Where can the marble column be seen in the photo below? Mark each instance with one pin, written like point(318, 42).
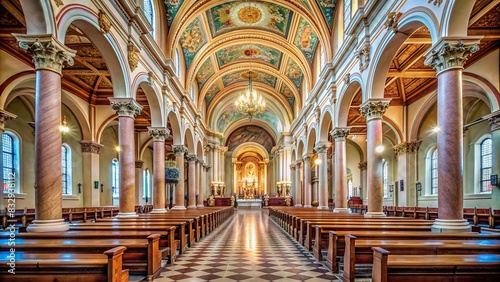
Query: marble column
point(192, 181)
point(307, 180)
point(298, 183)
point(201, 181)
point(127, 109)
point(4, 117)
point(340, 134)
point(362, 191)
point(158, 134)
point(321, 148)
point(90, 163)
point(179, 151)
point(49, 56)
point(373, 110)
point(447, 57)
point(294, 181)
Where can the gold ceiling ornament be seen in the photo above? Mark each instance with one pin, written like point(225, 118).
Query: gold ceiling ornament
point(133, 56)
point(249, 103)
point(249, 14)
point(104, 22)
point(58, 3)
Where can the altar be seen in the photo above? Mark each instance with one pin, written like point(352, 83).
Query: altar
point(249, 203)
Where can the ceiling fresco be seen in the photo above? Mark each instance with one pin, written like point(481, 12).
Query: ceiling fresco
point(192, 39)
point(294, 72)
point(204, 73)
point(238, 14)
point(287, 92)
point(211, 92)
point(328, 8)
point(249, 52)
point(230, 116)
point(250, 133)
point(242, 76)
point(172, 7)
point(306, 39)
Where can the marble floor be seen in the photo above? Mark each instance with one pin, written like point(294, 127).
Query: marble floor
point(248, 247)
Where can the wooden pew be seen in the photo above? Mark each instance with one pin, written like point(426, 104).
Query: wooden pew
point(65, 267)
point(359, 251)
point(434, 268)
point(336, 242)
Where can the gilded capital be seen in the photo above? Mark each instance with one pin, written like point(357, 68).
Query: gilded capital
point(362, 166)
point(127, 107)
point(406, 148)
point(48, 53)
point(104, 22)
point(139, 164)
point(90, 147)
point(450, 53)
point(179, 150)
point(4, 117)
point(374, 108)
point(340, 133)
point(158, 133)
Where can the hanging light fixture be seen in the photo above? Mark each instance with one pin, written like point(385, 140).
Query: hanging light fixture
point(250, 104)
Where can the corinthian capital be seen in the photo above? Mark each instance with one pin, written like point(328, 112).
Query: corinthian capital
point(4, 117)
point(90, 147)
point(125, 107)
point(322, 147)
point(179, 150)
point(340, 133)
point(48, 52)
point(374, 108)
point(158, 133)
point(406, 148)
point(451, 53)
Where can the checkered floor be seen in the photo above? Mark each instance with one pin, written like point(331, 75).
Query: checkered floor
point(248, 247)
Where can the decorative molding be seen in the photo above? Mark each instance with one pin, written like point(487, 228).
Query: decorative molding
point(59, 3)
point(363, 55)
point(139, 164)
point(392, 21)
point(322, 147)
point(179, 150)
point(494, 119)
point(347, 78)
point(374, 108)
point(362, 166)
point(125, 107)
point(340, 133)
point(4, 117)
point(333, 98)
point(158, 133)
point(48, 53)
point(104, 22)
point(90, 147)
point(436, 2)
point(450, 53)
point(406, 148)
point(192, 158)
point(133, 56)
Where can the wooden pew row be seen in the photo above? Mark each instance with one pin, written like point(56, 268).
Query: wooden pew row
point(106, 267)
point(359, 251)
point(337, 246)
point(434, 268)
point(142, 256)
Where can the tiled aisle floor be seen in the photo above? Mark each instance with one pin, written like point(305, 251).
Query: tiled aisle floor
point(248, 247)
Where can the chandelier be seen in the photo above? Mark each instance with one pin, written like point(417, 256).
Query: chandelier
point(250, 104)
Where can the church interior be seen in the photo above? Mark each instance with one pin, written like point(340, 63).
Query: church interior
point(301, 140)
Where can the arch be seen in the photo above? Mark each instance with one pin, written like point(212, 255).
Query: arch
point(41, 17)
point(109, 121)
point(87, 21)
point(390, 44)
point(420, 115)
point(189, 141)
point(300, 149)
point(23, 79)
point(357, 147)
point(326, 121)
point(250, 146)
point(154, 98)
point(395, 128)
point(256, 122)
point(173, 119)
point(345, 100)
point(199, 149)
point(492, 94)
point(143, 148)
point(79, 113)
point(311, 140)
point(452, 21)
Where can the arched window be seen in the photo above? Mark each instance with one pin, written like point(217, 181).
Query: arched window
point(347, 13)
point(147, 185)
point(349, 183)
point(385, 180)
point(10, 144)
point(434, 172)
point(147, 8)
point(66, 169)
point(486, 158)
point(115, 178)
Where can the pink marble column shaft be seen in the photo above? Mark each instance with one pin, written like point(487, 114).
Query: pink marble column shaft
point(298, 184)
point(127, 164)
point(192, 182)
point(158, 134)
point(321, 148)
point(179, 151)
point(201, 183)
point(307, 181)
point(339, 135)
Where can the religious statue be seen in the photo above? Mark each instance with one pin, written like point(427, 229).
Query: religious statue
point(266, 200)
point(211, 201)
point(232, 201)
point(288, 200)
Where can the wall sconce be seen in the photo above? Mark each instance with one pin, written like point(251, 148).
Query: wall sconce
point(79, 188)
point(64, 126)
point(96, 184)
point(418, 186)
point(494, 180)
point(102, 188)
point(391, 189)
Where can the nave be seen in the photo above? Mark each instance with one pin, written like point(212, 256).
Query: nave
point(247, 247)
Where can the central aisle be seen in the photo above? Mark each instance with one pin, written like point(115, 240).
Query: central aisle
point(248, 247)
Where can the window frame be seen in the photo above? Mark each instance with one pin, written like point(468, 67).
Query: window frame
point(66, 170)
point(151, 15)
point(16, 156)
point(434, 171)
point(482, 179)
point(115, 178)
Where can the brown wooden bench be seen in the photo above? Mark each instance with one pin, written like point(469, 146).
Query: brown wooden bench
point(30, 267)
point(463, 268)
point(359, 251)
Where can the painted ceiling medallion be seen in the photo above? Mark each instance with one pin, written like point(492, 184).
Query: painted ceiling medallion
point(249, 14)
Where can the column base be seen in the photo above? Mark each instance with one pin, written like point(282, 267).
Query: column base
point(308, 206)
point(127, 214)
point(341, 210)
point(192, 207)
point(450, 225)
point(298, 205)
point(50, 225)
point(178, 208)
point(200, 206)
point(159, 211)
point(375, 214)
point(322, 207)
